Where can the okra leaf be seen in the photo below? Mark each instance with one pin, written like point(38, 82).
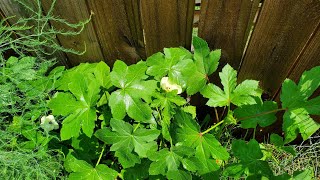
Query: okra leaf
point(249, 155)
point(179, 175)
point(260, 113)
point(81, 86)
point(139, 171)
point(167, 103)
point(84, 171)
point(279, 143)
point(207, 148)
point(126, 158)
point(79, 107)
point(295, 98)
point(167, 160)
point(243, 94)
point(176, 63)
point(123, 137)
point(162, 64)
point(134, 92)
point(102, 74)
point(206, 63)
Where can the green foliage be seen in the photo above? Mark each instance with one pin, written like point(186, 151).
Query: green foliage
point(242, 94)
point(249, 155)
point(79, 98)
point(144, 130)
point(124, 124)
point(24, 147)
point(207, 147)
point(84, 171)
point(34, 34)
point(262, 118)
point(132, 90)
point(125, 138)
point(295, 98)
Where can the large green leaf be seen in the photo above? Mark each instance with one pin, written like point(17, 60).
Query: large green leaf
point(139, 171)
point(295, 98)
point(249, 155)
point(133, 89)
point(78, 107)
point(176, 63)
point(179, 175)
point(206, 63)
point(81, 86)
point(278, 142)
point(84, 171)
point(125, 139)
point(166, 103)
point(126, 158)
point(167, 160)
point(207, 147)
point(102, 72)
point(252, 115)
point(242, 94)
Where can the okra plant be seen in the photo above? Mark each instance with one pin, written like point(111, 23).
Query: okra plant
point(135, 121)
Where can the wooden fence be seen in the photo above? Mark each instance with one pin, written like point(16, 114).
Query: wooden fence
point(268, 41)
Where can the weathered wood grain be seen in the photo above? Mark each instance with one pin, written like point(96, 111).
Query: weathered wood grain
point(226, 25)
point(309, 58)
point(75, 11)
point(119, 30)
point(167, 23)
point(281, 33)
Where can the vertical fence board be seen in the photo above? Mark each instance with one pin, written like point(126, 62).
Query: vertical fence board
point(167, 23)
point(282, 31)
point(13, 9)
point(309, 58)
point(75, 11)
point(226, 25)
point(119, 29)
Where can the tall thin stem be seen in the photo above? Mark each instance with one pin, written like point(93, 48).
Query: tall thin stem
point(212, 127)
point(98, 162)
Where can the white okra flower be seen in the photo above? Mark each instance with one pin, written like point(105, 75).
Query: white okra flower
point(48, 123)
point(169, 86)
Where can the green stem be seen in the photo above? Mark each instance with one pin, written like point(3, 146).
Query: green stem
point(263, 113)
point(254, 133)
point(212, 127)
point(104, 146)
point(136, 127)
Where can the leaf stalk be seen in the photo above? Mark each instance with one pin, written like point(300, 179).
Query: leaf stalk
point(98, 162)
point(212, 127)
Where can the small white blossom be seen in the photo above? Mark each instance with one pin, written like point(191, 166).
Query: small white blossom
point(168, 86)
point(48, 123)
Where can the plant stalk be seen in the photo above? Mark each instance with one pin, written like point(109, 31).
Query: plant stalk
point(98, 162)
point(212, 127)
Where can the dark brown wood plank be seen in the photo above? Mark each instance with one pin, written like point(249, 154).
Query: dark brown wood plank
point(75, 11)
point(13, 9)
point(309, 58)
point(282, 30)
point(226, 25)
point(167, 23)
point(119, 30)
